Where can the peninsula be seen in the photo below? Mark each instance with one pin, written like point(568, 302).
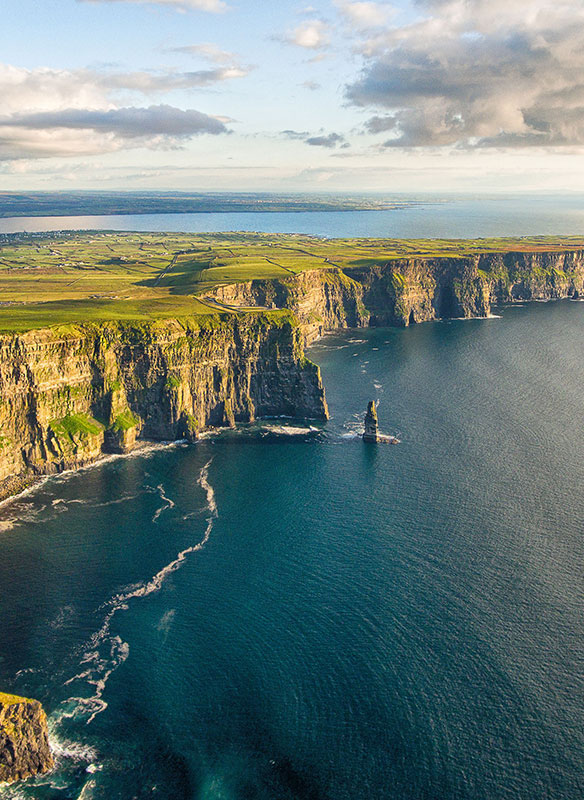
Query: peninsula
point(107, 339)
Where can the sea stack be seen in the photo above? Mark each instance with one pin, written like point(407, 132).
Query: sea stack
point(371, 433)
point(24, 739)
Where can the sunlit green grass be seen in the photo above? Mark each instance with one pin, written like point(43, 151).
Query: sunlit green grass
point(91, 277)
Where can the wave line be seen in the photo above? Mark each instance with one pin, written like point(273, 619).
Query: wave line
point(98, 666)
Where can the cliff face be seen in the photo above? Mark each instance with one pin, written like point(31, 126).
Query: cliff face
point(24, 741)
point(68, 396)
point(405, 291)
point(321, 299)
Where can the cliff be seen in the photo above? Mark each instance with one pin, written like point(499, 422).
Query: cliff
point(70, 394)
point(321, 299)
point(405, 291)
point(24, 741)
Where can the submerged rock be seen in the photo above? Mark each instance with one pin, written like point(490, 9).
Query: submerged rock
point(24, 739)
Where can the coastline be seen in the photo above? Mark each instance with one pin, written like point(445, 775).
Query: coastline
point(143, 448)
point(75, 395)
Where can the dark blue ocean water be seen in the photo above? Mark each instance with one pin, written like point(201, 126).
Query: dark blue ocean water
point(454, 216)
point(287, 613)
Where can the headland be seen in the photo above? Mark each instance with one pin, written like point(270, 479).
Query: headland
point(108, 339)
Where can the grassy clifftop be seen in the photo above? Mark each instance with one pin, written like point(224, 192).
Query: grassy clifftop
point(55, 279)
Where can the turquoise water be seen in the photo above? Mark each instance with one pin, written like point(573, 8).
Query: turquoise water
point(283, 612)
point(461, 216)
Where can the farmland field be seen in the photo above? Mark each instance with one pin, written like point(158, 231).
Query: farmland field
point(60, 278)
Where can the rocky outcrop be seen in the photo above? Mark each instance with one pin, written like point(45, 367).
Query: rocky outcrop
point(68, 395)
point(24, 740)
point(371, 433)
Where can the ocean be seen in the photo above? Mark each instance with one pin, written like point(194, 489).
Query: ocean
point(283, 612)
point(447, 216)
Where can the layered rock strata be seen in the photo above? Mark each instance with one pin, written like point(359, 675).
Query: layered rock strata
point(371, 433)
point(24, 740)
point(405, 291)
point(68, 395)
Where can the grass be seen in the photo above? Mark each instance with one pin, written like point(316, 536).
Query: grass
point(74, 424)
point(12, 699)
point(125, 421)
point(61, 279)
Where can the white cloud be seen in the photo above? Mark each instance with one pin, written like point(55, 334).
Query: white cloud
point(365, 15)
point(214, 6)
point(312, 35)
point(479, 73)
point(153, 82)
point(208, 51)
point(69, 113)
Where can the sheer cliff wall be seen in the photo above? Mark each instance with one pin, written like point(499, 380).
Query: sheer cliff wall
point(68, 395)
point(405, 291)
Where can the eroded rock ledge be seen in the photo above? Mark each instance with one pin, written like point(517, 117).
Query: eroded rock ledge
point(24, 739)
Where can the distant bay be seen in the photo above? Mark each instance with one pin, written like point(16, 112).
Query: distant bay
point(463, 216)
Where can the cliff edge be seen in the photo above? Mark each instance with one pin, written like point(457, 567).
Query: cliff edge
point(70, 394)
point(404, 291)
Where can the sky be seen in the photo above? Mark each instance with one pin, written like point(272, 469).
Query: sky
point(275, 95)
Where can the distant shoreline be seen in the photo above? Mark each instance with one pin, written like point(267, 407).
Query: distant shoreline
point(14, 205)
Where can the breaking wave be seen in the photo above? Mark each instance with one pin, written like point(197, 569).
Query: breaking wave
point(105, 652)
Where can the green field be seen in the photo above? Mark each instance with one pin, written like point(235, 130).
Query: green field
point(54, 279)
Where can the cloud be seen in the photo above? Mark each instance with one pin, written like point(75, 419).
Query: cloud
point(128, 123)
point(73, 132)
point(312, 35)
point(290, 134)
point(48, 89)
point(208, 51)
point(330, 140)
point(58, 112)
point(214, 6)
point(478, 73)
point(380, 124)
point(153, 82)
point(365, 15)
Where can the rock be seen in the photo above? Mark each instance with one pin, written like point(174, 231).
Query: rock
point(68, 395)
point(371, 433)
point(24, 739)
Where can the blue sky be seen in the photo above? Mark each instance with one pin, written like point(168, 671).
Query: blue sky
point(338, 95)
